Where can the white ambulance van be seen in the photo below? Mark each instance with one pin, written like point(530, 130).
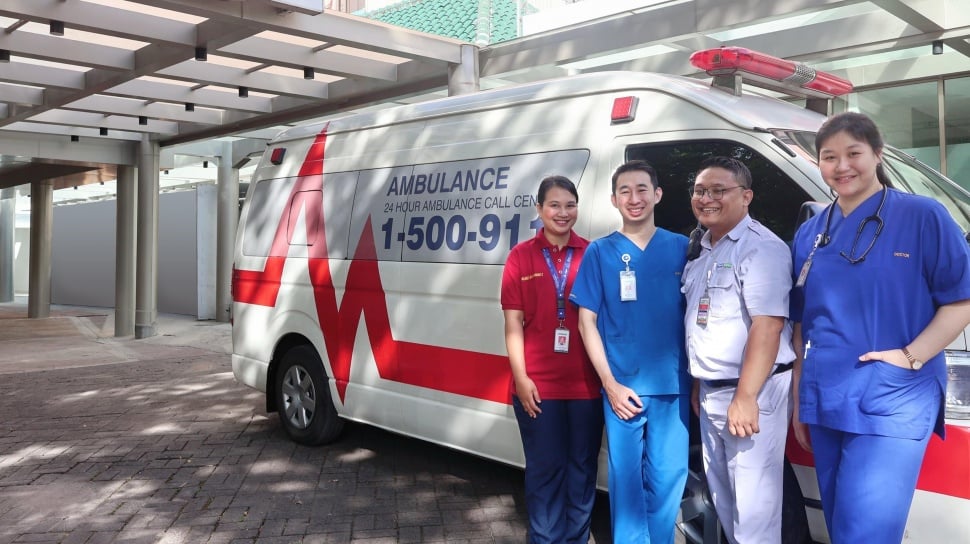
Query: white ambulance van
point(370, 253)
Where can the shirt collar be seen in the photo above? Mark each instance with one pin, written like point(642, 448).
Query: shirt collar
point(733, 234)
point(573, 242)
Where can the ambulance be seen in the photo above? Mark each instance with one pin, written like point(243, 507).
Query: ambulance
point(370, 251)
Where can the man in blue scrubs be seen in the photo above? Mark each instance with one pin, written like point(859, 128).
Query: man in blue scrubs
point(740, 353)
point(631, 320)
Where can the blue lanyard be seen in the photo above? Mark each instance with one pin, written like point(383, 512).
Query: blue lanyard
point(559, 280)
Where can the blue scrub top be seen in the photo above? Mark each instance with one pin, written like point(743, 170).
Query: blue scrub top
point(644, 339)
point(919, 262)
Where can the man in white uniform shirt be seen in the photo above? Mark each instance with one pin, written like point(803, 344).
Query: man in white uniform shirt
point(739, 352)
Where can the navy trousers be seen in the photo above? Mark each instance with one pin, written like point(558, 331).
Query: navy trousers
point(562, 446)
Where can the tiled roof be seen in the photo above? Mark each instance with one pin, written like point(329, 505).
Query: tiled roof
point(451, 18)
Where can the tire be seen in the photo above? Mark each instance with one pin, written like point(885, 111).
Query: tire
point(303, 398)
point(698, 519)
point(699, 522)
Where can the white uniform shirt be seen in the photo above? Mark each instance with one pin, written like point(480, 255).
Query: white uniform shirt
point(747, 273)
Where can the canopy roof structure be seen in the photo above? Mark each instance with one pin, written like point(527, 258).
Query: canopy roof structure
point(82, 81)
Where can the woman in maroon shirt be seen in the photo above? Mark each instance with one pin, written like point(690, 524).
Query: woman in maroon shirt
point(555, 391)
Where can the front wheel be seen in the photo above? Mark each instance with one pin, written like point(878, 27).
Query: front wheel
point(699, 522)
point(303, 398)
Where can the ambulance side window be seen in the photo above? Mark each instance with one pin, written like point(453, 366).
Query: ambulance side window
point(265, 212)
point(777, 197)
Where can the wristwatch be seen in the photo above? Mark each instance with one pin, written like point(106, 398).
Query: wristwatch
point(914, 363)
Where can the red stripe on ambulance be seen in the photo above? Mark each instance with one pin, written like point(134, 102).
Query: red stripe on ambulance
point(468, 373)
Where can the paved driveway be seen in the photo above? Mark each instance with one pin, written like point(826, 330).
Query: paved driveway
point(107, 440)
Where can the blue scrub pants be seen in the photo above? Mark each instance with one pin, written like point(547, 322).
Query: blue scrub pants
point(648, 469)
point(562, 446)
point(866, 483)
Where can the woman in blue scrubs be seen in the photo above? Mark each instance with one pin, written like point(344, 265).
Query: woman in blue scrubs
point(882, 286)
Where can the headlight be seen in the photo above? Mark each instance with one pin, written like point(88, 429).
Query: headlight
point(958, 385)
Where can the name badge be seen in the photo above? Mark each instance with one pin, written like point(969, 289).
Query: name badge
point(561, 344)
point(803, 274)
point(703, 309)
point(628, 285)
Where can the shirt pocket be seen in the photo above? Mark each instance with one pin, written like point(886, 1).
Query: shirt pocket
point(723, 290)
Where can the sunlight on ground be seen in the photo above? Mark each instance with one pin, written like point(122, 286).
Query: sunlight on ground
point(32, 452)
point(357, 456)
point(164, 428)
point(292, 486)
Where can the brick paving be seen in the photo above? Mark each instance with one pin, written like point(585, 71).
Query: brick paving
point(106, 440)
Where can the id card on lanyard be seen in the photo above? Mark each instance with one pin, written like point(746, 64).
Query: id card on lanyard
point(628, 281)
point(704, 303)
point(560, 342)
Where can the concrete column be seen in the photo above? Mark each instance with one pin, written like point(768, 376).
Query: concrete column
point(227, 217)
point(463, 77)
point(41, 228)
point(146, 254)
point(8, 226)
point(125, 251)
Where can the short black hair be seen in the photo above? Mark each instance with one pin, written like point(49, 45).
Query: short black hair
point(631, 166)
point(736, 167)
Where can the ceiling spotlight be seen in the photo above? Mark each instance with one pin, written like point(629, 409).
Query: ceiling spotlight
point(75, 138)
point(243, 92)
point(4, 55)
point(307, 72)
point(57, 28)
point(189, 106)
point(201, 53)
point(142, 120)
point(938, 47)
point(103, 131)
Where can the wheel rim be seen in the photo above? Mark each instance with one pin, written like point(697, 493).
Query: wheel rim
point(299, 397)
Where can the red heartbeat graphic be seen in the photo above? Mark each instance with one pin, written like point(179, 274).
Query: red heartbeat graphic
point(468, 373)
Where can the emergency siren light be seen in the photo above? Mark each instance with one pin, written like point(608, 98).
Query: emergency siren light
point(770, 72)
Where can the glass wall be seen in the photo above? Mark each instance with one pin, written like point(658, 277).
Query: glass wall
point(957, 114)
point(908, 117)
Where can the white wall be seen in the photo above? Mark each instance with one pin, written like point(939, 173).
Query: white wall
point(83, 253)
point(555, 14)
point(21, 258)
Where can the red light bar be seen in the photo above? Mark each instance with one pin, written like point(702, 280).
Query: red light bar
point(276, 157)
point(774, 71)
point(624, 109)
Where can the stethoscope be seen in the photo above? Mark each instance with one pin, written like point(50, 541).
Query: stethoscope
point(823, 238)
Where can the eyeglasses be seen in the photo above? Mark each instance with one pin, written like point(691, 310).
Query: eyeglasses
point(716, 193)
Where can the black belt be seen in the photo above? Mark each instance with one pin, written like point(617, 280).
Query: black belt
point(717, 384)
